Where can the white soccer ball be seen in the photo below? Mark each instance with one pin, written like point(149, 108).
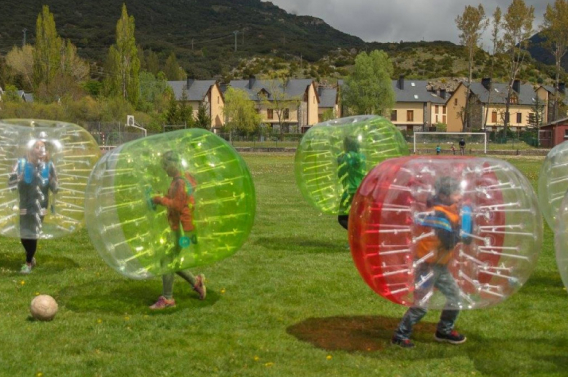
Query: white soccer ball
point(43, 308)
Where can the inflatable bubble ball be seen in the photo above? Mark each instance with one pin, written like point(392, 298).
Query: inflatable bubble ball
point(443, 232)
point(553, 182)
point(47, 166)
point(334, 156)
point(169, 202)
point(561, 240)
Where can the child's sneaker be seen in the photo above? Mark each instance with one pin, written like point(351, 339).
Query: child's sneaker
point(199, 286)
point(163, 303)
point(404, 343)
point(453, 337)
point(26, 268)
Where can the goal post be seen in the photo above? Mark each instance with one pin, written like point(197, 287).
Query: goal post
point(451, 137)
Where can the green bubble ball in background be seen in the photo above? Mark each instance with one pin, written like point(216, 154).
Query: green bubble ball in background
point(133, 236)
point(334, 156)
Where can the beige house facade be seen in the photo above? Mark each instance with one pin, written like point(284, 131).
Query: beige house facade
point(201, 92)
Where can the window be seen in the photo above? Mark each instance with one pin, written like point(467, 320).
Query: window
point(286, 114)
point(444, 119)
point(270, 113)
point(410, 115)
point(565, 134)
point(519, 118)
point(437, 109)
point(513, 100)
point(494, 117)
point(444, 110)
point(436, 118)
point(393, 116)
point(455, 101)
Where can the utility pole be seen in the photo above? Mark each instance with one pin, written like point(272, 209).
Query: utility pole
point(24, 41)
point(236, 32)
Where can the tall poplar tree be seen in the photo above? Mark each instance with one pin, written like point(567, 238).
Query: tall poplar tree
point(555, 29)
point(47, 51)
point(472, 23)
point(518, 28)
point(123, 63)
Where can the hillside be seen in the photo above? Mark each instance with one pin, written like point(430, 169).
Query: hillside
point(202, 35)
point(201, 32)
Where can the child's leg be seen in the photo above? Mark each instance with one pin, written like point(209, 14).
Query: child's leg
point(30, 246)
point(410, 318)
point(187, 276)
point(449, 288)
point(168, 286)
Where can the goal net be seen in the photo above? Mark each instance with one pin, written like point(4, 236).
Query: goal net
point(431, 140)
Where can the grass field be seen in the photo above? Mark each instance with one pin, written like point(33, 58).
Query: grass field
point(289, 303)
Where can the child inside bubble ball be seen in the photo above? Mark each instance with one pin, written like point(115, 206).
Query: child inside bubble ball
point(179, 202)
point(350, 171)
point(34, 176)
point(432, 271)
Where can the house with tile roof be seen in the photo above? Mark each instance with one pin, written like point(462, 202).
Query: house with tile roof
point(488, 101)
point(198, 92)
point(329, 102)
point(291, 103)
point(418, 106)
point(548, 94)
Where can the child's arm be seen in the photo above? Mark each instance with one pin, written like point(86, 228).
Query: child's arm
point(178, 200)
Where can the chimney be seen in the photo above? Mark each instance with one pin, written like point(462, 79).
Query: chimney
point(401, 82)
point(189, 83)
point(517, 86)
point(252, 79)
point(486, 82)
point(561, 87)
point(442, 93)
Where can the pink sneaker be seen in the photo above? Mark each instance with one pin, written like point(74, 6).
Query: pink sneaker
point(199, 286)
point(163, 303)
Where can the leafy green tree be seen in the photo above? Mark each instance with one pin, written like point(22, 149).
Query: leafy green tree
point(123, 63)
point(555, 29)
point(47, 51)
point(240, 112)
point(172, 116)
point(172, 69)
point(518, 28)
point(472, 23)
point(279, 100)
point(185, 110)
point(497, 48)
point(368, 89)
point(72, 65)
point(328, 114)
point(21, 61)
point(203, 119)
point(152, 62)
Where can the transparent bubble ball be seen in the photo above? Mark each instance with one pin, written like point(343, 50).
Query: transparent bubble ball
point(334, 156)
point(135, 236)
point(46, 165)
point(401, 219)
point(553, 182)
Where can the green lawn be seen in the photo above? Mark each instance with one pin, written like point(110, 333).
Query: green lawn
point(290, 303)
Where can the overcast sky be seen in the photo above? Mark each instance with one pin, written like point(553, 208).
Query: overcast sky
point(396, 20)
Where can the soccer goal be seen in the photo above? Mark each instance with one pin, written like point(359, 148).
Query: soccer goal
point(448, 139)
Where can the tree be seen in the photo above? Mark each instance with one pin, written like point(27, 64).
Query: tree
point(279, 100)
point(536, 117)
point(47, 51)
point(472, 23)
point(152, 63)
point(368, 89)
point(555, 30)
point(172, 69)
point(518, 29)
point(203, 119)
point(185, 110)
point(21, 61)
point(328, 115)
point(239, 112)
point(72, 65)
point(497, 48)
point(123, 63)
